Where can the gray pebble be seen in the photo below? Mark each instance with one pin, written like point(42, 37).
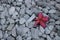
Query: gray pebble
point(19, 38)
point(14, 32)
point(47, 31)
point(52, 11)
point(10, 38)
point(1, 8)
point(58, 6)
point(22, 21)
point(11, 10)
point(10, 27)
point(26, 16)
point(1, 35)
point(48, 37)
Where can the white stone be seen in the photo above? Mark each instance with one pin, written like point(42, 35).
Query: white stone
point(2, 39)
point(14, 32)
point(30, 19)
point(42, 29)
point(34, 33)
point(1, 8)
point(57, 22)
point(10, 38)
point(19, 38)
point(40, 33)
point(28, 38)
point(48, 37)
point(26, 16)
point(57, 38)
point(3, 21)
point(20, 0)
point(10, 27)
point(22, 10)
point(57, 0)
point(31, 24)
point(11, 10)
point(22, 21)
point(5, 35)
point(47, 31)
point(11, 20)
point(4, 27)
point(25, 29)
point(45, 10)
point(44, 35)
point(1, 35)
point(29, 11)
point(52, 11)
point(50, 27)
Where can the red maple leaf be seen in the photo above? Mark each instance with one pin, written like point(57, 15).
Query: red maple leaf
point(41, 20)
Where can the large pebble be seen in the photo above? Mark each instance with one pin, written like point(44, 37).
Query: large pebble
point(57, 22)
point(42, 29)
point(30, 19)
point(5, 35)
point(57, 38)
point(10, 38)
point(52, 11)
point(57, 0)
point(26, 16)
point(51, 27)
point(1, 8)
point(47, 31)
point(10, 27)
point(1, 35)
point(14, 32)
point(58, 6)
point(34, 33)
point(48, 37)
point(11, 10)
point(19, 38)
point(22, 21)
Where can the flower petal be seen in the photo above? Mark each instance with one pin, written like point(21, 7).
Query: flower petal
point(36, 23)
point(36, 19)
point(40, 15)
point(42, 24)
point(45, 19)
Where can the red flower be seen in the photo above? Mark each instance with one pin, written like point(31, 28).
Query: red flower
point(41, 20)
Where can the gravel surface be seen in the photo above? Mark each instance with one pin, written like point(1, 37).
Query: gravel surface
point(17, 19)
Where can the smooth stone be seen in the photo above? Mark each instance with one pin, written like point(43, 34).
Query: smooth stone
point(57, 38)
point(1, 35)
point(48, 37)
point(30, 19)
point(26, 16)
point(11, 10)
point(29, 12)
point(57, 22)
point(10, 38)
point(18, 37)
point(28, 38)
point(58, 6)
point(42, 29)
point(57, 0)
point(50, 27)
point(22, 21)
point(1, 8)
point(10, 27)
point(5, 35)
point(44, 35)
point(14, 32)
point(47, 31)
point(31, 24)
point(52, 11)
point(3, 21)
point(45, 10)
point(34, 33)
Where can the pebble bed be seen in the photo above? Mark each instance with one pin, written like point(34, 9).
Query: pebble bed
point(17, 19)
